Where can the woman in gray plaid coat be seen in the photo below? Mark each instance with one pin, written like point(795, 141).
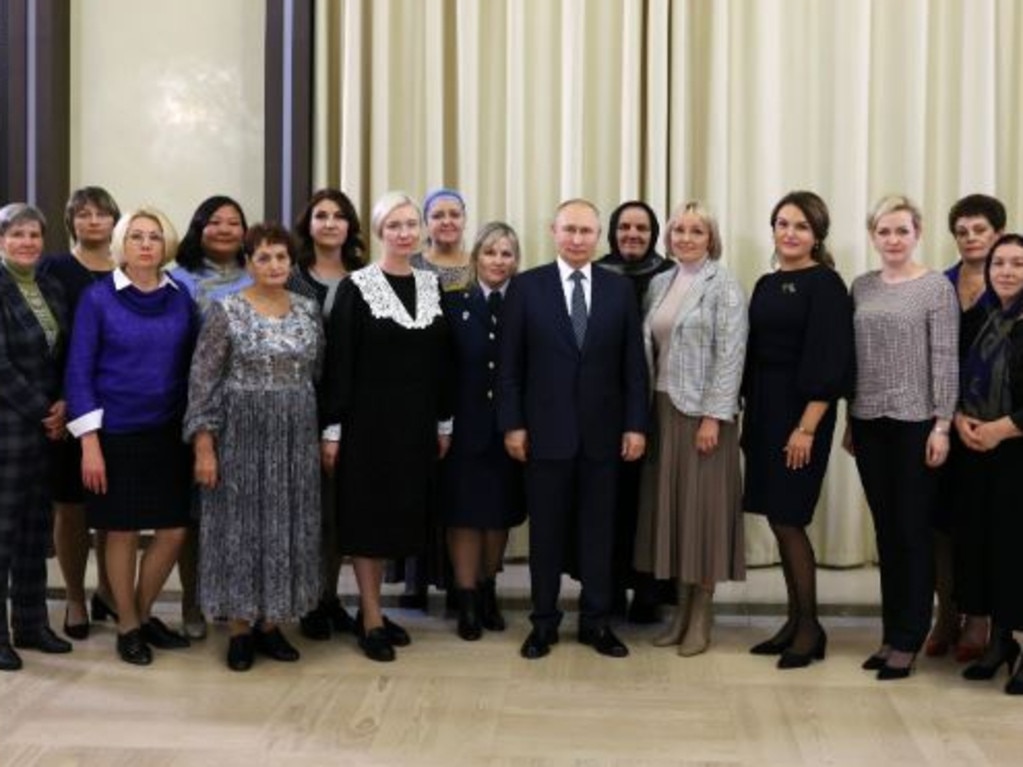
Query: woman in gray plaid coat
point(32, 329)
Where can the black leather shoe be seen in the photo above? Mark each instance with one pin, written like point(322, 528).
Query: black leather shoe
point(604, 641)
point(77, 631)
point(790, 659)
point(396, 635)
point(340, 619)
point(272, 644)
point(315, 624)
point(490, 612)
point(9, 659)
point(987, 666)
point(44, 640)
point(156, 633)
point(241, 652)
point(888, 673)
point(874, 662)
point(538, 643)
point(376, 646)
point(777, 644)
point(469, 627)
point(133, 648)
point(101, 610)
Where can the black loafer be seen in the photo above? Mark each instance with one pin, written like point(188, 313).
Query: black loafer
point(396, 635)
point(315, 624)
point(538, 643)
point(604, 641)
point(9, 659)
point(44, 640)
point(272, 644)
point(133, 648)
point(241, 652)
point(340, 619)
point(376, 646)
point(156, 633)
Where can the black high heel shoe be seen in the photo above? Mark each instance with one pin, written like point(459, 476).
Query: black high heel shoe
point(890, 673)
point(790, 659)
point(76, 630)
point(100, 609)
point(979, 670)
point(777, 644)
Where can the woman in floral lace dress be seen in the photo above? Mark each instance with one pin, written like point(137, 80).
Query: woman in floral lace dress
point(252, 420)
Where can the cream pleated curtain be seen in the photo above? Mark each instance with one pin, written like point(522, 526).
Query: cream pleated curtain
point(522, 103)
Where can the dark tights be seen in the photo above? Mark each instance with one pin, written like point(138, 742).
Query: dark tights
point(800, 567)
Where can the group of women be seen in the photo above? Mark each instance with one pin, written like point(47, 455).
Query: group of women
point(251, 397)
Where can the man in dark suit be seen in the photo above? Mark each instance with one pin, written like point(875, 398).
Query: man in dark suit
point(572, 400)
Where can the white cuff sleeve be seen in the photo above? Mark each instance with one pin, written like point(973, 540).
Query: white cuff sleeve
point(91, 421)
point(446, 428)
point(332, 433)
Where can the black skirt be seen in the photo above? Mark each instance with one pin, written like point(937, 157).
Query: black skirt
point(149, 481)
point(66, 471)
point(483, 492)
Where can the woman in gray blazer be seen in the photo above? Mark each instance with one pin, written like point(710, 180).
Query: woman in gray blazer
point(690, 516)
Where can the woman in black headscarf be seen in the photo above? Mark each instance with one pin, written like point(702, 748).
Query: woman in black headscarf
point(632, 234)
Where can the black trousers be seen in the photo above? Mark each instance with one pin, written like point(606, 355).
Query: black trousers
point(973, 529)
point(571, 504)
point(900, 490)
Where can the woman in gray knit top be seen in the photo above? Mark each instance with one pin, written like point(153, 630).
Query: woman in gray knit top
point(906, 330)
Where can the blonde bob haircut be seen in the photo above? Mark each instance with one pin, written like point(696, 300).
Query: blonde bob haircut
point(170, 235)
point(895, 203)
point(698, 209)
point(386, 204)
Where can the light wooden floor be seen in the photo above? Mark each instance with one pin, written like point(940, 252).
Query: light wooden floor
point(448, 702)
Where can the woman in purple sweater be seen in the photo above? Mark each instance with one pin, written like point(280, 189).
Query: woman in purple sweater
point(127, 378)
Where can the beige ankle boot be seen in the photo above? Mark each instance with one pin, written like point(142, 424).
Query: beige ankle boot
point(701, 616)
point(677, 628)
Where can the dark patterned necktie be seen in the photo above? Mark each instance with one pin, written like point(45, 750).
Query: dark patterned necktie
point(579, 317)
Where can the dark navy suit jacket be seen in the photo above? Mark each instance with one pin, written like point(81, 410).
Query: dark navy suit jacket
point(573, 402)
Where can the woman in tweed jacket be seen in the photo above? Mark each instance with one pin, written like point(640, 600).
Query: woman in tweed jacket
point(32, 331)
point(690, 515)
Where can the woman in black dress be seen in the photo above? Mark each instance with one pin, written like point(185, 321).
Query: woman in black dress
point(989, 421)
point(383, 405)
point(330, 247)
point(33, 328)
point(90, 216)
point(482, 486)
point(798, 363)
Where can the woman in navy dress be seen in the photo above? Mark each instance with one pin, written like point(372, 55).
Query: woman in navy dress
point(798, 363)
point(89, 217)
point(482, 495)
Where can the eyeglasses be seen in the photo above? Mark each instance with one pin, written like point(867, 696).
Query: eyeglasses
point(138, 238)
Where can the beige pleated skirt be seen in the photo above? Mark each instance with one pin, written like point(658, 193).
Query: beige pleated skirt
point(690, 523)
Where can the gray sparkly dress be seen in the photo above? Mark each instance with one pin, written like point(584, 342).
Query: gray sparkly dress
point(251, 385)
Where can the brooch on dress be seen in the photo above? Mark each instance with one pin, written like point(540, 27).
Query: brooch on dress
point(788, 287)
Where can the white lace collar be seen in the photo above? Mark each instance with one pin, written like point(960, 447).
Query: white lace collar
point(385, 304)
